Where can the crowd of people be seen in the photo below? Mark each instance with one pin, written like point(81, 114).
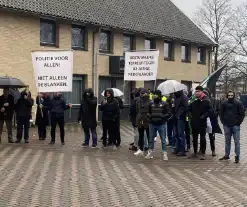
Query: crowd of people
point(177, 117)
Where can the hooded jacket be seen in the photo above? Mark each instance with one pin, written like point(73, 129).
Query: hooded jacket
point(181, 106)
point(232, 113)
point(142, 109)
point(159, 111)
point(110, 107)
point(132, 113)
point(24, 106)
point(87, 112)
point(9, 110)
point(57, 106)
point(199, 111)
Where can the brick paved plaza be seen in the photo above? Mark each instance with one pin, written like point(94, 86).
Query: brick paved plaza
point(39, 175)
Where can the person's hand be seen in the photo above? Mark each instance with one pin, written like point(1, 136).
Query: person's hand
point(25, 97)
point(6, 104)
point(2, 109)
point(70, 105)
point(41, 106)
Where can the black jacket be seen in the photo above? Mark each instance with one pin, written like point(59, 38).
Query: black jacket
point(110, 108)
point(199, 111)
point(57, 106)
point(45, 111)
point(216, 105)
point(159, 113)
point(232, 113)
point(24, 106)
point(142, 110)
point(87, 112)
point(133, 112)
point(9, 110)
point(181, 106)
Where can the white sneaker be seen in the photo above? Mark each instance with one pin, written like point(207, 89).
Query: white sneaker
point(165, 156)
point(149, 155)
point(139, 153)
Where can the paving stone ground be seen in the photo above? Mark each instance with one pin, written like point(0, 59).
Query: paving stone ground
point(39, 175)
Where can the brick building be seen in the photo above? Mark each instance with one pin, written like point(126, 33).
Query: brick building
point(99, 32)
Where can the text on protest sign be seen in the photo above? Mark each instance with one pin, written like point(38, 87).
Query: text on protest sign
point(53, 70)
point(141, 65)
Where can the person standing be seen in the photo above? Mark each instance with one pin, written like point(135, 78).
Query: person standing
point(232, 115)
point(57, 107)
point(133, 114)
point(170, 133)
point(121, 107)
point(179, 119)
point(158, 115)
point(199, 111)
point(42, 114)
point(142, 109)
point(87, 116)
point(214, 120)
point(6, 113)
point(23, 115)
point(110, 113)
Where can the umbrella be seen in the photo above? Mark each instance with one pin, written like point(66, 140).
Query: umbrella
point(171, 86)
point(116, 92)
point(8, 82)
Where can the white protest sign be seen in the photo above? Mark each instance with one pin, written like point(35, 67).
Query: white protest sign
point(141, 65)
point(53, 70)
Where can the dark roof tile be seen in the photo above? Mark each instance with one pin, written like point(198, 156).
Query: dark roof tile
point(156, 17)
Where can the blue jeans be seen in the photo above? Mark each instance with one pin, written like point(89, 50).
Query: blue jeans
point(161, 129)
point(87, 135)
point(229, 132)
point(179, 133)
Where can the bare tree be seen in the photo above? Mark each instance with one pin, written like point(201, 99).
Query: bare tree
point(214, 18)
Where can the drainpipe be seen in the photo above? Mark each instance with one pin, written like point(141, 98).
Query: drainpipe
point(94, 59)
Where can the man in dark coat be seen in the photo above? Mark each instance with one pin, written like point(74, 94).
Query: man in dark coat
point(57, 107)
point(199, 111)
point(232, 116)
point(214, 120)
point(42, 114)
point(23, 115)
point(87, 116)
point(6, 113)
point(133, 114)
point(110, 113)
point(179, 118)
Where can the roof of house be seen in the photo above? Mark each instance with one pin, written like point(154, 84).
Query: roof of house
point(153, 17)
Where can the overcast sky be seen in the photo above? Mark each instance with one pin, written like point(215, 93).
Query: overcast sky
point(189, 7)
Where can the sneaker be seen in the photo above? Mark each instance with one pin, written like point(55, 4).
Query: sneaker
point(224, 158)
point(133, 148)
point(203, 157)
point(149, 155)
point(10, 141)
point(63, 143)
point(94, 146)
point(51, 142)
point(18, 141)
point(213, 153)
point(165, 158)
point(139, 153)
point(194, 155)
point(40, 138)
point(115, 147)
point(236, 159)
point(181, 154)
point(26, 141)
point(85, 145)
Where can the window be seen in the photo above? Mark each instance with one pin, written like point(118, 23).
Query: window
point(168, 50)
point(78, 37)
point(201, 55)
point(149, 44)
point(105, 41)
point(185, 56)
point(128, 43)
point(48, 32)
